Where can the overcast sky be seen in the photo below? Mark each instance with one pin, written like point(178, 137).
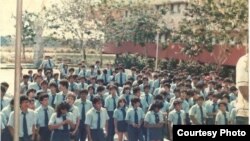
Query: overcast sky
point(8, 8)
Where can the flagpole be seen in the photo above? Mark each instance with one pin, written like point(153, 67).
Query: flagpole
point(17, 68)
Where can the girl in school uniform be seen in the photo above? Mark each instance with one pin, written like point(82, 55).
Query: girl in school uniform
point(154, 122)
point(61, 122)
point(119, 119)
point(75, 111)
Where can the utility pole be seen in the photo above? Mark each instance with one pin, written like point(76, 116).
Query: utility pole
point(17, 68)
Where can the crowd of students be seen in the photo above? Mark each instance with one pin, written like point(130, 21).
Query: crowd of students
point(95, 104)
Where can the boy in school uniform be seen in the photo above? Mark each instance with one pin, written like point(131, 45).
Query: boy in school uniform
point(96, 120)
point(44, 112)
point(222, 117)
point(121, 77)
point(4, 101)
point(52, 94)
point(101, 93)
point(212, 109)
point(36, 84)
point(176, 117)
point(84, 105)
point(55, 79)
point(134, 117)
point(24, 84)
point(111, 104)
point(147, 96)
point(6, 113)
point(70, 99)
point(91, 93)
point(27, 121)
point(61, 96)
point(198, 112)
point(73, 87)
point(82, 83)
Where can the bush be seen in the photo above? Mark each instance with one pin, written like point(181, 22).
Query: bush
point(130, 60)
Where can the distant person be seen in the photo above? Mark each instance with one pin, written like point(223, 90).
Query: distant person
point(242, 109)
point(47, 64)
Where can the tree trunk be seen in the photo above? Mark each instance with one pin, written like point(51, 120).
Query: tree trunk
point(101, 58)
point(84, 54)
point(82, 47)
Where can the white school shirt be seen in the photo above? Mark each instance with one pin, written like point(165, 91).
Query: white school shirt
point(30, 118)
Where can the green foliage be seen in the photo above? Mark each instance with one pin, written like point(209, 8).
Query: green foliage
point(138, 22)
point(210, 23)
point(130, 60)
point(28, 30)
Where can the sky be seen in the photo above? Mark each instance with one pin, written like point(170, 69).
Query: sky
point(8, 9)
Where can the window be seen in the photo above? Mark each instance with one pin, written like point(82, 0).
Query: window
point(178, 8)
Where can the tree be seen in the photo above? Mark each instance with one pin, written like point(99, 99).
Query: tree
point(72, 20)
point(211, 23)
point(28, 32)
point(138, 22)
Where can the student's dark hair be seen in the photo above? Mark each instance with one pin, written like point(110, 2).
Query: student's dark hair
point(71, 95)
point(3, 89)
point(177, 90)
point(84, 91)
point(135, 100)
point(159, 97)
point(56, 74)
point(233, 88)
point(183, 91)
point(166, 85)
point(30, 71)
point(156, 104)
point(53, 84)
point(128, 83)
point(71, 69)
point(29, 91)
point(5, 84)
point(65, 83)
point(222, 102)
point(62, 106)
point(105, 71)
point(218, 86)
point(96, 100)
point(139, 82)
point(136, 89)
point(146, 86)
point(23, 98)
point(100, 89)
point(12, 102)
point(42, 96)
point(91, 87)
point(39, 70)
point(226, 96)
point(120, 100)
point(25, 76)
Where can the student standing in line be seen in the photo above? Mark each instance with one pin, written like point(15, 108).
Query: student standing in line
point(52, 94)
point(154, 122)
point(84, 105)
point(119, 119)
point(75, 111)
point(27, 121)
point(61, 122)
point(134, 117)
point(176, 117)
point(6, 113)
point(222, 117)
point(198, 113)
point(61, 96)
point(110, 105)
point(96, 120)
point(44, 112)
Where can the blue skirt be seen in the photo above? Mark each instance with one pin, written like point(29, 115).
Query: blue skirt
point(155, 133)
point(122, 126)
point(60, 135)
